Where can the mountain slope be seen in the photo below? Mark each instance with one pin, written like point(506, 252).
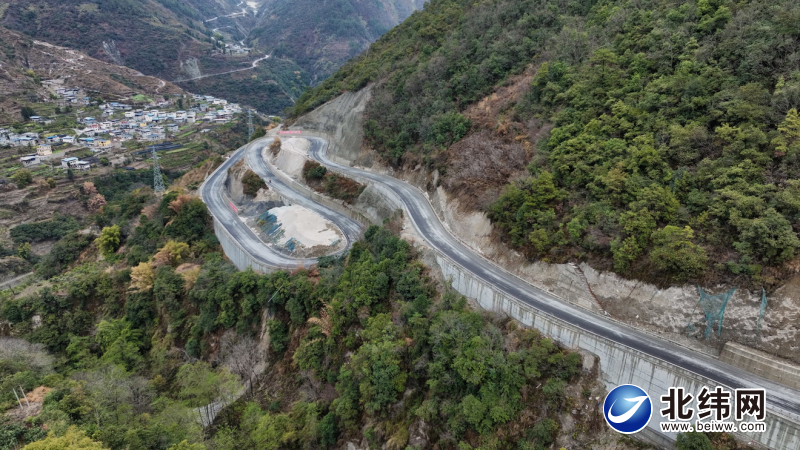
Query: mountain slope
point(25, 62)
point(152, 36)
point(320, 38)
point(184, 41)
point(673, 150)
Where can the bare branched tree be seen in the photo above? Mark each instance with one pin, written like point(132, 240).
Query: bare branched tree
point(242, 356)
point(20, 350)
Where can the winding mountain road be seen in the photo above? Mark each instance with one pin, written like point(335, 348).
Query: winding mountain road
point(428, 225)
point(253, 65)
point(213, 194)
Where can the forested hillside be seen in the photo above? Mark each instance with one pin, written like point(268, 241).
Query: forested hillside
point(661, 137)
point(128, 338)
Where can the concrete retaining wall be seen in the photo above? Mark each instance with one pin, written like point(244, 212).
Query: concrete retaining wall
point(619, 364)
point(761, 363)
point(239, 256)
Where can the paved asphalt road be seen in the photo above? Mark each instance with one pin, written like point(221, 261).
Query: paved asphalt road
point(428, 226)
point(213, 194)
point(351, 229)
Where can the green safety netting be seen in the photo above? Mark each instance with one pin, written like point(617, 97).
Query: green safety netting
point(713, 308)
point(763, 308)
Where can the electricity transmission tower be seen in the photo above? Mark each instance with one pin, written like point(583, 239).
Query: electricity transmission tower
point(158, 182)
point(250, 124)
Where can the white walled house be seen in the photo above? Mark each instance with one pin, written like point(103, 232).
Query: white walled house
point(30, 160)
point(70, 162)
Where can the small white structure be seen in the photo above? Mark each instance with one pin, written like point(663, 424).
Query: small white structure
point(30, 160)
point(44, 150)
point(70, 162)
point(83, 165)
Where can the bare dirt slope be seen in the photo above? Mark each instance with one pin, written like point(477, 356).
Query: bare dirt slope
point(340, 118)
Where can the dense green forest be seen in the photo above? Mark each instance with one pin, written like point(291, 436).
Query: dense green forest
point(674, 141)
point(132, 334)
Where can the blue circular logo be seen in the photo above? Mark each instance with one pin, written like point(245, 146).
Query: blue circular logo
point(627, 409)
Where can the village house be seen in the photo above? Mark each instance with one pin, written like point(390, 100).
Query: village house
point(83, 165)
point(30, 160)
point(68, 163)
point(23, 141)
point(120, 106)
point(44, 150)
